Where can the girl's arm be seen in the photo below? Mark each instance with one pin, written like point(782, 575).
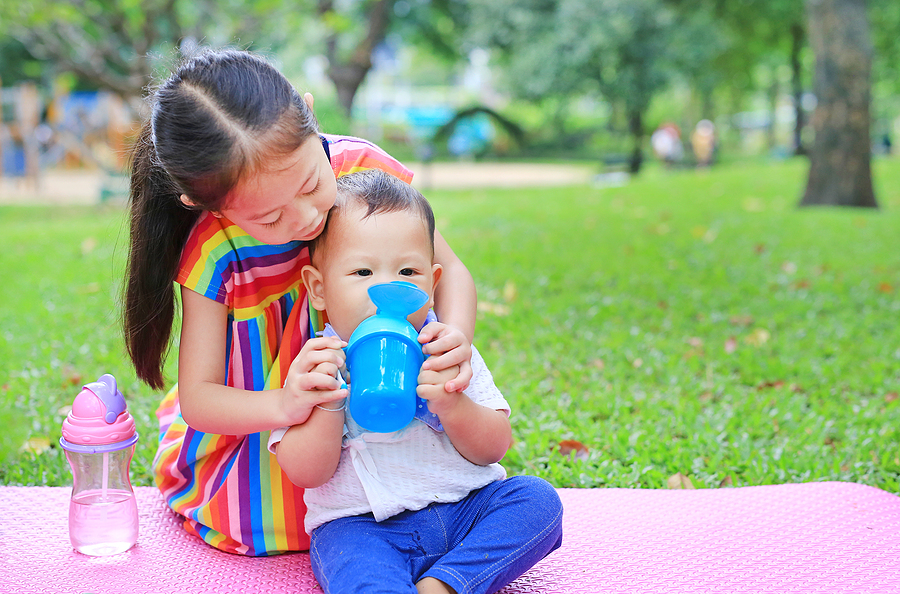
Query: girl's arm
point(481, 435)
point(450, 343)
point(455, 298)
point(309, 453)
point(210, 406)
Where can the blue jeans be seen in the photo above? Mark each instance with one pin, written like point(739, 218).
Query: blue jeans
point(479, 544)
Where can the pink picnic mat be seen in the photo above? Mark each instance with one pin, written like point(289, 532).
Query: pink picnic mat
point(805, 538)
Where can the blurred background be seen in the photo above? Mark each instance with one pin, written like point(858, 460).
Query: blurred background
point(616, 85)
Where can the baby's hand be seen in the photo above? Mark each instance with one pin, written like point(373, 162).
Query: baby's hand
point(448, 348)
point(312, 378)
point(432, 387)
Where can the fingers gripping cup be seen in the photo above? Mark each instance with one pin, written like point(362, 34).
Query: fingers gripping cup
point(384, 358)
point(98, 436)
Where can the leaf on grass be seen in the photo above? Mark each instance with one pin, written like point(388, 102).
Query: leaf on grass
point(757, 337)
point(801, 284)
point(498, 309)
point(88, 246)
point(730, 345)
point(753, 204)
point(72, 377)
point(35, 445)
point(885, 287)
point(88, 289)
point(679, 481)
point(574, 448)
point(891, 396)
point(788, 267)
point(741, 320)
point(770, 384)
point(510, 292)
point(726, 482)
point(759, 248)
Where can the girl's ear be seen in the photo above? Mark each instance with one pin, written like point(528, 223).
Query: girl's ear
point(308, 98)
point(193, 205)
point(312, 280)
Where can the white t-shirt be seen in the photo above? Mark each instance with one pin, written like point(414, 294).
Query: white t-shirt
point(387, 473)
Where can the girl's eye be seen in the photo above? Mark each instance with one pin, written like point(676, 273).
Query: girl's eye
point(273, 223)
point(407, 272)
point(314, 190)
point(363, 272)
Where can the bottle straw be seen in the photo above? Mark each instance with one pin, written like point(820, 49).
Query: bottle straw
point(105, 475)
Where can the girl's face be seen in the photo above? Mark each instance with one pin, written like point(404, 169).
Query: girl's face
point(288, 200)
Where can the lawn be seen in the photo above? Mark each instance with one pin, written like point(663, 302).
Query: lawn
point(688, 322)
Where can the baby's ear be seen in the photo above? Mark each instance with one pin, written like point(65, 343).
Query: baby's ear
point(312, 280)
point(436, 271)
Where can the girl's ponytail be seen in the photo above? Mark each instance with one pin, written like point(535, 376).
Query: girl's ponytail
point(160, 224)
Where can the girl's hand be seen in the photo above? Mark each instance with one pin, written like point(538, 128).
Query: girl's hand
point(312, 378)
point(432, 387)
point(448, 348)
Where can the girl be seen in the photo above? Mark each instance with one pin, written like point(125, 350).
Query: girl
point(230, 179)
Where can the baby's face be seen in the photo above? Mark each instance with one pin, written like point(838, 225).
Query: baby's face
point(359, 253)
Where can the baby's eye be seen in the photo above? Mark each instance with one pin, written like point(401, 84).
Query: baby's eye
point(407, 272)
point(363, 272)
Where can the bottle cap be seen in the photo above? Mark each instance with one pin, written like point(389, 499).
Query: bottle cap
point(98, 421)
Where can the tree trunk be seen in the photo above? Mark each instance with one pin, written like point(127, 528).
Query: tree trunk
point(797, 86)
point(840, 159)
point(636, 128)
point(347, 75)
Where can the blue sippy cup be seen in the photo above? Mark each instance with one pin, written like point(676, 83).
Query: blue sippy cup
point(384, 358)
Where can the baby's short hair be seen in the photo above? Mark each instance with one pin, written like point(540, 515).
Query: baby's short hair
point(379, 192)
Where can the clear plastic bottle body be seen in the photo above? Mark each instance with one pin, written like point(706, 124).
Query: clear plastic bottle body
point(103, 518)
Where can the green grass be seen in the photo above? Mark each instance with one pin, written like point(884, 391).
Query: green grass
point(687, 322)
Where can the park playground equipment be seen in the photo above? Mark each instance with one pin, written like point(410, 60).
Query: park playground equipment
point(68, 130)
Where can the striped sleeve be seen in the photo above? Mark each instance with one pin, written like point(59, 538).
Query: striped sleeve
point(207, 258)
point(349, 154)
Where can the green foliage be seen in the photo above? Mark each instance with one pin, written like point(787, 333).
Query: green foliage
point(693, 322)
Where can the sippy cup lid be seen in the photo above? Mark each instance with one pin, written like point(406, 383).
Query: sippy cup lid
point(98, 421)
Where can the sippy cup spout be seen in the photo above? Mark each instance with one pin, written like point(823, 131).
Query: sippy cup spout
point(98, 420)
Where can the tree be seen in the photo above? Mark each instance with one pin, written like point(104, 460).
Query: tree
point(623, 50)
point(111, 43)
point(840, 170)
point(761, 29)
point(349, 48)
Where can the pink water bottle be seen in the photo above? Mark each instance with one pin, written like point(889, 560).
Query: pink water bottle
point(99, 436)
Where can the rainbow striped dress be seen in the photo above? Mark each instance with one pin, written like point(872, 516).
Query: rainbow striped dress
point(229, 488)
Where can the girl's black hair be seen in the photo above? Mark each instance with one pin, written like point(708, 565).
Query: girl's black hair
point(379, 192)
point(217, 118)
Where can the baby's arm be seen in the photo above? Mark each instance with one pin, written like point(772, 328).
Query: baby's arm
point(455, 304)
point(309, 453)
point(480, 434)
point(210, 406)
